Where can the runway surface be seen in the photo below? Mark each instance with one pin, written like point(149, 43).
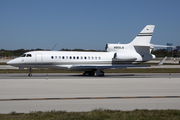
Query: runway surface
point(73, 92)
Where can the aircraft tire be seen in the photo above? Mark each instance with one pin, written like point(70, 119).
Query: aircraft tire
point(30, 75)
point(91, 73)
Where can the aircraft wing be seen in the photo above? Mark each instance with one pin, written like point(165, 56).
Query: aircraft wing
point(84, 67)
point(105, 67)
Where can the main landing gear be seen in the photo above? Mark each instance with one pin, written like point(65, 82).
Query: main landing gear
point(89, 73)
point(94, 73)
point(99, 73)
point(30, 72)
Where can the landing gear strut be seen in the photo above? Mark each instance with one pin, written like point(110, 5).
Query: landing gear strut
point(30, 72)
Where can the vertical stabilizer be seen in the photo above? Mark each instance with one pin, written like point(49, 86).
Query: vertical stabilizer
point(144, 37)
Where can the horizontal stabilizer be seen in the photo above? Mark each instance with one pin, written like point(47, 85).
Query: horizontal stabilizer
point(152, 45)
point(142, 45)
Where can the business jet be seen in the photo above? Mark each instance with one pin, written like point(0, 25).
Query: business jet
point(93, 63)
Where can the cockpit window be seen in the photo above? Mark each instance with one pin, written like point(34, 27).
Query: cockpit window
point(28, 55)
point(24, 55)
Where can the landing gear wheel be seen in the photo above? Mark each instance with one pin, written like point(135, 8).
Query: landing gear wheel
point(89, 73)
point(102, 73)
point(29, 75)
point(99, 73)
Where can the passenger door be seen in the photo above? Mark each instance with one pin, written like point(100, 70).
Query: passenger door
point(38, 59)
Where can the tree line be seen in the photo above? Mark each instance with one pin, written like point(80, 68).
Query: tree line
point(19, 52)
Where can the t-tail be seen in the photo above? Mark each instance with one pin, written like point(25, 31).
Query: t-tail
point(137, 50)
point(144, 37)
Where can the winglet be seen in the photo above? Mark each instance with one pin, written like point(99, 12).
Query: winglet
point(162, 61)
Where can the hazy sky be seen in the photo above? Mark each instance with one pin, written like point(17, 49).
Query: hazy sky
point(85, 24)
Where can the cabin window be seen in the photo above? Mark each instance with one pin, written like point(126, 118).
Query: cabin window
point(59, 57)
point(85, 58)
point(70, 57)
point(81, 57)
point(66, 57)
point(89, 58)
point(23, 55)
point(99, 58)
point(52, 57)
point(77, 57)
point(63, 57)
point(56, 57)
point(28, 55)
point(96, 58)
point(74, 57)
point(92, 58)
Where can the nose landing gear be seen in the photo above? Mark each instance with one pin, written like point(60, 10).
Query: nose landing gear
point(30, 72)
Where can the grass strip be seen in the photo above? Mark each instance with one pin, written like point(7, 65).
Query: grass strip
point(3, 64)
point(138, 70)
point(97, 114)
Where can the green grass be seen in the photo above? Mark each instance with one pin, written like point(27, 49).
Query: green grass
point(98, 114)
point(3, 64)
point(147, 70)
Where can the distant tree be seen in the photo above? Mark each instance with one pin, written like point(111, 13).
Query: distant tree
point(63, 49)
point(38, 49)
point(19, 52)
point(178, 54)
point(89, 50)
point(160, 52)
point(78, 50)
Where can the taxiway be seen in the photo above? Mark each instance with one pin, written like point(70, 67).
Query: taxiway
point(44, 93)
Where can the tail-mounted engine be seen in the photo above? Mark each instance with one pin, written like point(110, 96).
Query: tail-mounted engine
point(120, 54)
point(123, 57)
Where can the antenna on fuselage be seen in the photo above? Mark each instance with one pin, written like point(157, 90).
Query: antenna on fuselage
point(53, 47)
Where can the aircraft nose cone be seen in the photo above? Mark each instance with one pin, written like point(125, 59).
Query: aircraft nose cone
point(15, 62)
point(9, 62)
point(12, 62)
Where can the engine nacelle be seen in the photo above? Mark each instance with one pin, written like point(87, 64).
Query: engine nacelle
point(124, 57)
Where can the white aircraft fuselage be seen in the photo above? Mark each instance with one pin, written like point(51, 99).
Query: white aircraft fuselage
point(62, 59)
point(116, 56)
